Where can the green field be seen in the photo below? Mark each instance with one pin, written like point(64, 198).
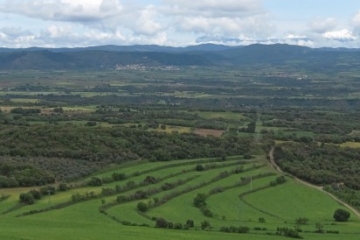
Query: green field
point(235, 205)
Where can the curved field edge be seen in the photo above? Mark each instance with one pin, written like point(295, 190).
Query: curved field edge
point(84, 221)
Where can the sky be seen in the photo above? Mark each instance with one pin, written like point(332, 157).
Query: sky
point(81, 23)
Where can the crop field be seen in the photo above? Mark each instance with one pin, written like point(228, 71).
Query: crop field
point(238, 193)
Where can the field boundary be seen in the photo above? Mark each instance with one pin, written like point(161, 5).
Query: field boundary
point(319, 188)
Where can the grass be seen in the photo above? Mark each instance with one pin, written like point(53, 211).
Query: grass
point(279, 205)
point(170, 129)
point(288, 201)
point(350, 144)
point(225, 115)
point(24, 100)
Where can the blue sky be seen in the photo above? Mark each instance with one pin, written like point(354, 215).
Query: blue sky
point(73, 23)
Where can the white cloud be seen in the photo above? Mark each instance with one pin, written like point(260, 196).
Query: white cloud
point(213, 8)
point(323, 25)
point(213, 17)
point(341, 35)
point(295, 37)
point(64, 10)
point(164, 22)
point(146, 23)
point(356, 23)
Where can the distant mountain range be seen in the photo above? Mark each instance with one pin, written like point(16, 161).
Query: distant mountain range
point(109, 57)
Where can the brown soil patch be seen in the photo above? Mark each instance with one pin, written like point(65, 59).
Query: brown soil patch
point(205, 132)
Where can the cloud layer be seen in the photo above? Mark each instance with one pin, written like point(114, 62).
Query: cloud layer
point(165, 22)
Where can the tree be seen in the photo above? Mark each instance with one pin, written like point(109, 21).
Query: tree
point(205, 225)
point(319, 227)
point(36, 194)
point(95, 181)
point(161, 223)
point(142, 207)
point(63, 187)
point(190, 223)
point(341, 215)
point(27, 198)
point(199, 168)
point(199, 200)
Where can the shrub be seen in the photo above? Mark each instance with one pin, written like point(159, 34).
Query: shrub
point(63, 187)
point(121, 199)
point(224, 229)
point(247, 156)
point(95, 181)
point(142, 207)
point(36, 194)
point(319, 228)
point(288, 232)
point(301, 220)
point(205, 225)
point(150, 180)
point(178, 226)
point(48, 190)
point(199, 200)
point(161, 223)
point(243, 230)
point(280, 180)
point(90, 124)
point(190, 223)
point(118, 176)
point(27, 198)
point(341, 215)
point(199, 168)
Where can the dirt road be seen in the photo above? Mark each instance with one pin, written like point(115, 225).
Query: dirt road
point(319, 188)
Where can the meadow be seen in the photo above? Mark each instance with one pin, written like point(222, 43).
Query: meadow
point(236, 198)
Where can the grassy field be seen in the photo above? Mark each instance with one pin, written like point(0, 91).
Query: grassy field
point(235, 205)
point(351, 144)
point(226, 115)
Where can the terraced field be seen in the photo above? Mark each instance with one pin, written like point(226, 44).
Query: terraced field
point(238, 193)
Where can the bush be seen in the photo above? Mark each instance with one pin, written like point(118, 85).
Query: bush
point(341, 215)
point(207, 212)
point(224, 229)
point(118, 176)
point(150, 180)
point(63, 187)
point(205, 225)
point(95, 182)
point(301, 220)
point(26, 198)
point(142, 207)
point(178, 226)
point(288, 232)
point(36, 194)
point(190, 223)
point(90, 124)
point(247, 156)
point(243, 230)
point(161, 223)
point(199, 200)
point(48, 190)
point(199, 168)
point(280, 180)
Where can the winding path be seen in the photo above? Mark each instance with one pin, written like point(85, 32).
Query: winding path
point(319, 188)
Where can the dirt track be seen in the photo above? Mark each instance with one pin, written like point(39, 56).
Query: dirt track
point(319, 188)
